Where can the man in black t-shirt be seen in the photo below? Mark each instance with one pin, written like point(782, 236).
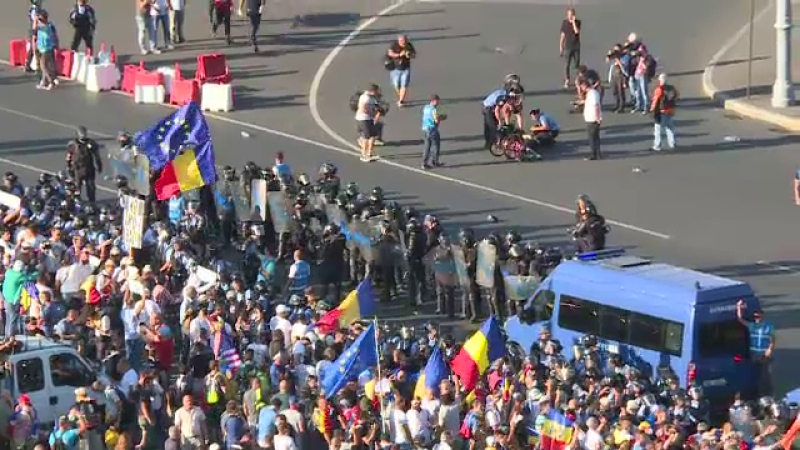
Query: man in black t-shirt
point(254, 9)
point(398, 61)
point(570, 44)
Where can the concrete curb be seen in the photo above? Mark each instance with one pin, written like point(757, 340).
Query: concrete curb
point(739, 105)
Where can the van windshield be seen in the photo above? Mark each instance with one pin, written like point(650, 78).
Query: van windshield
point(725, 338)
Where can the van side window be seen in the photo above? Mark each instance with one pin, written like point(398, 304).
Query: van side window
point(67, 370)
point(541, 308)
point(579, 315)
point(621, 325)
point(30, 375)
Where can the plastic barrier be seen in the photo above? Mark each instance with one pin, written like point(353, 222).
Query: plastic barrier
point(66, 58)
point(217, 97)
point(129, 76)
point(17, 52)
point(212, 68)
point(146, 78)
point(101, 77)
point(149, 94)
point(183, 91)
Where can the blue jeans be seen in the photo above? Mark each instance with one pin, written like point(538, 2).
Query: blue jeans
point(641, 93)
point(13, 320)
point(146, 34)
point(666, 122)
point(134, 348)
point(163, 21)
point(177, 25)
point(430, 154)
point(400, 78)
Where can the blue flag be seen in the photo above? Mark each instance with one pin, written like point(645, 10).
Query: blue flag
point(434, 372)
point(162, 142)
point(361, 355)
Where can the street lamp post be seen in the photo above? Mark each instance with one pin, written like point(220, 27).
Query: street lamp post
point(782, 93)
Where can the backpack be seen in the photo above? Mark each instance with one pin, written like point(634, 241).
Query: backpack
point(128, 413)
point(58, 441)
point(90, 413)
point(354, 101)
point(651, 67)
point(669, 97)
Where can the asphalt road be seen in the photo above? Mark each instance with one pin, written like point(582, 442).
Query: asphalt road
point(714, 205)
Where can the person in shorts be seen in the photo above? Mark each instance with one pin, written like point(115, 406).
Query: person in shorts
point(366, 115)
point(399, 56)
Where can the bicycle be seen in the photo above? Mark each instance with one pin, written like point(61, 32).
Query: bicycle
point(505, 133)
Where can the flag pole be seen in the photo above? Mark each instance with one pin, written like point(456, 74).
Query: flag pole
point(379, 383)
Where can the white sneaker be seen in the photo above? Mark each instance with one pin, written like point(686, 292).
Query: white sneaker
point(41, 86)
point(56, 81)
point(145, 52)
point(364, 158)
point(170, 47)
point(156, 51)
point(374, 158)
point(49, 87)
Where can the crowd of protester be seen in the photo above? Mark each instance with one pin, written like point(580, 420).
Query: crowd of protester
point(205, 335)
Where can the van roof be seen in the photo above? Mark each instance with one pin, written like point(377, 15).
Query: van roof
point(33, 343)
point(656, 280)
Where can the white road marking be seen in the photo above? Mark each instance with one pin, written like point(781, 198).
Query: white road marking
point(313, 105)
point(708, 73)
point(317, 118)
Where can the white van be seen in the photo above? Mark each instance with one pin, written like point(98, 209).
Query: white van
point(49, 372)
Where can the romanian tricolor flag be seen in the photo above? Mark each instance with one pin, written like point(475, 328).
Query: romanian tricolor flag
point(435, 371)
point(485, 346)
point(192, 168)
point(556, 432)
point(358, 303)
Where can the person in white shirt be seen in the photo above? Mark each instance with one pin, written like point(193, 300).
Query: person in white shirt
point(159, 13)
point(299, 329)
point(281, 322)
point(419, 422)
point(198, 324)
point(73, 277)
point(177, 17)
point(399, 429)
point(283, 440)
point(129, 377)
point(133, 316)
point(430, 403)
point(366, 115)
point(593, 116)
point(194, 279)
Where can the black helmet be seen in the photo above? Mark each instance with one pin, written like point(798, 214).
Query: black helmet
point(121, 181)
point(444, 240)
point(11, 177)
point(342, 201)
point(229, 173)
point(513, 237)
point(410, 213)
point(250, 168)
point(92, 222)
point(466, 236)
point(36, 204)
point(89, 210)
point(62, 175)
point(81, 132)
point(412, 226)
point(352, 189)
point(30, 192)
point(327, 170)
point(45, 178)
point(330, 229)
point(391, 209)
point(124, 138)
point(377, 192)
point(516, 251)
point(511, 78)
point(493, 239)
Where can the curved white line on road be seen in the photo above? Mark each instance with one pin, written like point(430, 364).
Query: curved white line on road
point(708, 74)
point(314, 106)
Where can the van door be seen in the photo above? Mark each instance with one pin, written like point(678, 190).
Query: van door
point(67, 373)
point(29, 378)
point(721, 352)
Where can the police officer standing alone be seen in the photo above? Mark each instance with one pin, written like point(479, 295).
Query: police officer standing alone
point(431, 118)
point(83, 19)
point(83, 159)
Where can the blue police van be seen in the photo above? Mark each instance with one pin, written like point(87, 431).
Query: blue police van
point(653, 315)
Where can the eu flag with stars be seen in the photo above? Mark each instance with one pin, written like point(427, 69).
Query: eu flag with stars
point(359, 356)
point(162, 142)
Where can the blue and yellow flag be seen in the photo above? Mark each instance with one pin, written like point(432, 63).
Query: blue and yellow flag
point(435, 371)
point(28, 295)
point(361, 355)
point(163, 142)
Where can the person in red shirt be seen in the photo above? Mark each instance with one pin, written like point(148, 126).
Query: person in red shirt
point(222, 15)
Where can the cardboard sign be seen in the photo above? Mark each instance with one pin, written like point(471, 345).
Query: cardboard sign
point(133, 221)
point(10, 200)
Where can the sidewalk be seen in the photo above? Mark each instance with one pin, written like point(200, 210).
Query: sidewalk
point(725, 78)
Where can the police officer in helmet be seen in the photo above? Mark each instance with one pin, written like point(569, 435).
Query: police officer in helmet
point(83, 161)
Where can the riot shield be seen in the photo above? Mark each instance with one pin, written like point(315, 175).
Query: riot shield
point(241, 203)
point(440, 261)
point(358, 233)
point(122, 161)
point(258, 200)
point(315, 226)
point(487, 261)
point(520, 287)
point(335, 215)
point(461, 266)
point(140, 181)
point(376, 227)
point(278, 211)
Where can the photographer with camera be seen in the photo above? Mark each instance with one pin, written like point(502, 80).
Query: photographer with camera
point(398, 62)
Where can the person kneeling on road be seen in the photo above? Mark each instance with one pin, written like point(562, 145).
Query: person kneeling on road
point(544, 129)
